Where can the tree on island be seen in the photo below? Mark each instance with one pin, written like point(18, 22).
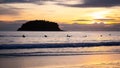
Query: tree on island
point(39, 25)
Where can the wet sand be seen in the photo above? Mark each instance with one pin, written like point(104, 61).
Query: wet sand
point(72, 61)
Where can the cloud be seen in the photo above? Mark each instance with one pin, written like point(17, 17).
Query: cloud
point(95, 3)
point(17, 1)
point(11, 26)
point(70, 3)
point(8, 10)
point(106, 19)
point(81, 20)
point(24, 1)
point(90, 27)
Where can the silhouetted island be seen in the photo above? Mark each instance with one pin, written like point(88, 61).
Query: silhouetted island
point(39, 25)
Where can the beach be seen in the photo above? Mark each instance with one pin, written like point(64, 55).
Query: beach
point(76, 61)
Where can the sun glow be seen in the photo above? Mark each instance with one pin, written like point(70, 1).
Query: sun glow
point(99, 15)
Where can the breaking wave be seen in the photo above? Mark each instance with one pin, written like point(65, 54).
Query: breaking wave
point(59, 45)
point(56, 49)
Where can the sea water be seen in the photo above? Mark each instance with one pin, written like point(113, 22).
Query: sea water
point(76, 49)
point(8, 37)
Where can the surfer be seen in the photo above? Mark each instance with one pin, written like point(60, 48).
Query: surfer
point(68, 35)
point(109, 34)
point(23, 36)
point(100, 35)
point(45, 36)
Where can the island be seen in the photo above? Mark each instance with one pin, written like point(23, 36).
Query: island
point(39, 25)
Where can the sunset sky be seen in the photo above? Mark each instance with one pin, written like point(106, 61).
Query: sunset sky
point(61, 11)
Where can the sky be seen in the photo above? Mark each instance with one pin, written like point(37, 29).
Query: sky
point(61, 11)
point(69, 14)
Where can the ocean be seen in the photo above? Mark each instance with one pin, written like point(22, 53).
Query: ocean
point(62, 49)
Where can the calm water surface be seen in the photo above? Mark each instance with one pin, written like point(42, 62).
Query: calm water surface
point(58, 37)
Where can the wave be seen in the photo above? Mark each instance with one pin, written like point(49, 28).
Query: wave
point(60, 53)
point(60, 45)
